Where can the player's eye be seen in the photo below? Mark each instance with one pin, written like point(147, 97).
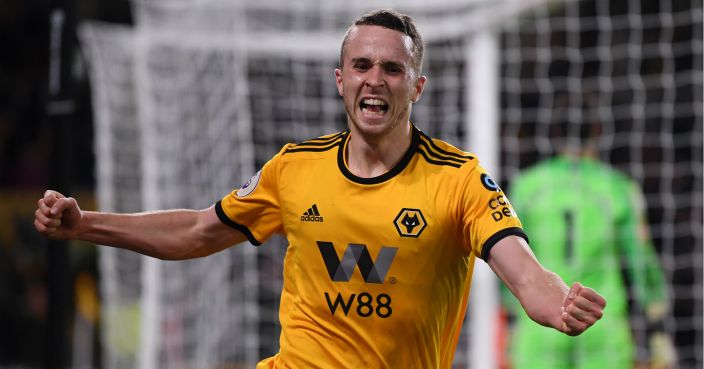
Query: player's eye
point(394, 68)
point(361, 66)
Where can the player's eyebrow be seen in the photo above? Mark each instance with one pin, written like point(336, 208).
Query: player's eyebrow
point(393, 66)
point(389, 65)
point(362, 60)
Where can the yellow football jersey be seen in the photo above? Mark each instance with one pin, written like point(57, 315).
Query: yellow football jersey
point(378, 270)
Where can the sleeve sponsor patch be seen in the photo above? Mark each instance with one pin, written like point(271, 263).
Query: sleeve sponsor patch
point(489, 183)
point(250, 185)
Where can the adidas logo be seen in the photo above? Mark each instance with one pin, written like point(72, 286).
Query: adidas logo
point(312, 215)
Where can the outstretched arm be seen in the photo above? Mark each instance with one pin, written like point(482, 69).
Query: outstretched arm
point(543, 294)
point(168, 234)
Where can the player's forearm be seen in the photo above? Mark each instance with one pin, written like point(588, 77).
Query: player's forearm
point(169, 234)
point(542, 298)
point(541, 292)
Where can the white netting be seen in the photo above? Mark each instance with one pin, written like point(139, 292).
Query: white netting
point(199, 94)
point(641, 63)
point(192, 147)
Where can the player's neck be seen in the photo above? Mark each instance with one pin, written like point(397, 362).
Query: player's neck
point(371, 156)
point(583, 153)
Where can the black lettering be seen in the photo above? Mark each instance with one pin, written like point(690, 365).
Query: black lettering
point(383, 305)
point(364, 305)
point(311, 218)
point(496, 202)
point(339, 301)
point(497, 216)
point(506, 211)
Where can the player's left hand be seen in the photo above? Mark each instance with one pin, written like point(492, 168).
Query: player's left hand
point(581, 309)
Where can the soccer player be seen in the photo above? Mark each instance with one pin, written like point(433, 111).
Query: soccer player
point(586, 221)
point(384, 225)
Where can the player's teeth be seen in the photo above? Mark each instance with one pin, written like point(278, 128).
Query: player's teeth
point(374, 102)
point(374, 106)
point(380, 112)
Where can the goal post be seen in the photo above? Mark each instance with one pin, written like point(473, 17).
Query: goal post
point(482, 79)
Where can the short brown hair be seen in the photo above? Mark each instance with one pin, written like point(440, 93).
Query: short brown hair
point(396, 21)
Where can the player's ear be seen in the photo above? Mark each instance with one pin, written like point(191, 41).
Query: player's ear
point(338, 80)
point(418, 88)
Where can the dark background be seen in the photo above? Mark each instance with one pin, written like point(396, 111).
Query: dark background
point(33, 157)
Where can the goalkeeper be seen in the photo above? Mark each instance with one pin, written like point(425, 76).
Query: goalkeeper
point(587, 221)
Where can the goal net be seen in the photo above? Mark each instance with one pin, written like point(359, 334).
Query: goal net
point(636, 68)
point(199, 94)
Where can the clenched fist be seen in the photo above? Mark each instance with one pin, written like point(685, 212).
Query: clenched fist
point(57, 216)
point(581, 309)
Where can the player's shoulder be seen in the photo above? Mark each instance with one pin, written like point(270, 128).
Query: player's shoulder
point(536, 176)
point(441, 153)
point(612, 171)
point(614, 177)
point(540, 169)
point(558, 168)
point(313, 148)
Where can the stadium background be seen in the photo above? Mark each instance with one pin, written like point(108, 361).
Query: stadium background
point(661, 149)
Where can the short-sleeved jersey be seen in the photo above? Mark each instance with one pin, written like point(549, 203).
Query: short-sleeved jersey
point(378, 270)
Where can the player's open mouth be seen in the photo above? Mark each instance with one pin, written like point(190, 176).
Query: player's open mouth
point(373, 106)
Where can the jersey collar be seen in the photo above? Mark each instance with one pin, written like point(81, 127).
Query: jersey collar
point(415, 138)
